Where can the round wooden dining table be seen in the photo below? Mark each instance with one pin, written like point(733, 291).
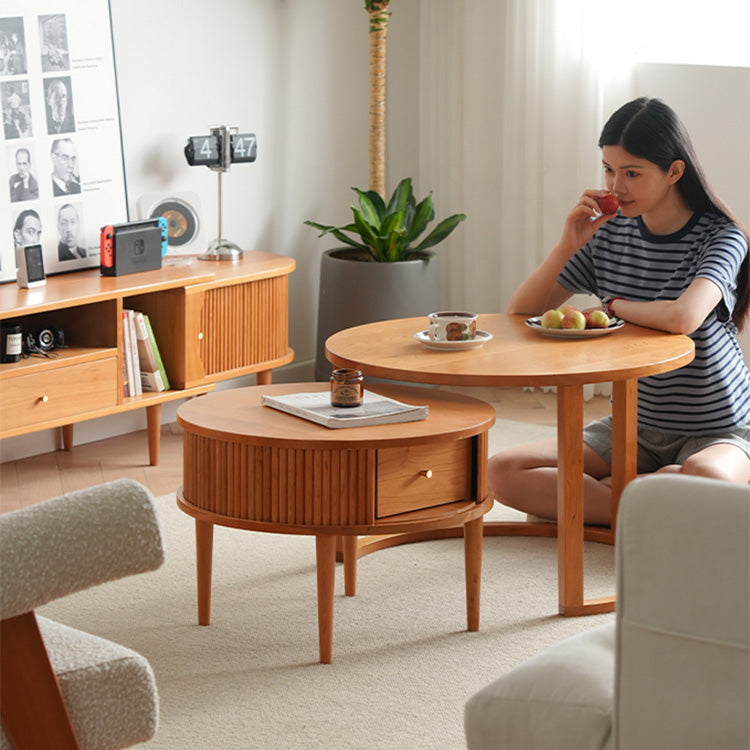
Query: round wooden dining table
point(520, 356)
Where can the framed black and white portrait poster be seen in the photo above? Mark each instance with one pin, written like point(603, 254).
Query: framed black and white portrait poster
point(61, 165)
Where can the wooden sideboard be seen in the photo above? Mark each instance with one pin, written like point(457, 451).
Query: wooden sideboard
point(213, 320)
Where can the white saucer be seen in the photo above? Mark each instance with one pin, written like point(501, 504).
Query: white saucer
point(535, 324)
point(481, 338)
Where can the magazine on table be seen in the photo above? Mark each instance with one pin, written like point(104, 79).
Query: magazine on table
point(375, 409)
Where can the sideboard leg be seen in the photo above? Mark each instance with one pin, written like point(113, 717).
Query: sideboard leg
point(263, 377)
point(153, 423)
point(325, 555)
point(204, 546)
point(473, 538)
point(67, 437)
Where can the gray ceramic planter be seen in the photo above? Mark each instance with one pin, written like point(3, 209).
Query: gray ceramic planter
point(355, 292)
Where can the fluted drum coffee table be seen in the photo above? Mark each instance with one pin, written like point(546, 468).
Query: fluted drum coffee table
point(519, 356)
point(251, 467)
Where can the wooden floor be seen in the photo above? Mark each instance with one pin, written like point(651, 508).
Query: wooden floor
point(30, 480)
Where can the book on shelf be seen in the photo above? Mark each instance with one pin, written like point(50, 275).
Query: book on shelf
point(135, 380)
point(157, 354)
point(150, 374)
point(127, 367)
point(375, 409)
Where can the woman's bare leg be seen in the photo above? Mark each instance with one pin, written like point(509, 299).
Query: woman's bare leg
point(525, 478)
point(721, 461)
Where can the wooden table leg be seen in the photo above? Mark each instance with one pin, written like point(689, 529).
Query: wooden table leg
point(570, 497)
point(570, 508)
point(153, 424)
point(351, 553)
point(473, 537)
point(624, 439)
point(204, 545)
point(325, 556)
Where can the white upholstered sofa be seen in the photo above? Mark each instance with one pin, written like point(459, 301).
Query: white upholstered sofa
point(673, 671)
point(62, 688)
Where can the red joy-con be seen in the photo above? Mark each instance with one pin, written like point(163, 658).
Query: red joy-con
point(107, 246)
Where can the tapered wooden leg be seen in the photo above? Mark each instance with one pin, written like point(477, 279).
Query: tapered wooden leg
point(204, 546)
point(31, 703)
point(67, 437)
point(624, 439)
point(473, 564)
point(570, 497)
point(325, 554)
point(263, 377)
point(350, 565)
point(153, 424)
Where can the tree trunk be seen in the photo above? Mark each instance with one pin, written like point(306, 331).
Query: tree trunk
point(378, 12)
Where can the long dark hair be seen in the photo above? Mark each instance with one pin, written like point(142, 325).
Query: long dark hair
point(651, 130)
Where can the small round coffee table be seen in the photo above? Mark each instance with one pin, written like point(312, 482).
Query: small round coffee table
point(252, 467)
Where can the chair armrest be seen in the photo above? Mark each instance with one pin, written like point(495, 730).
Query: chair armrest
point(76, 541)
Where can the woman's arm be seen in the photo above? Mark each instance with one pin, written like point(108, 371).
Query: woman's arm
point(541, 291)
point(683, 315)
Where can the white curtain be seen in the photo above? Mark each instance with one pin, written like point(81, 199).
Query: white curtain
point(512, 104)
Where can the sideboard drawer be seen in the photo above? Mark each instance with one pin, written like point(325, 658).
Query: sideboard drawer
point(58, 393)
point(423, 476)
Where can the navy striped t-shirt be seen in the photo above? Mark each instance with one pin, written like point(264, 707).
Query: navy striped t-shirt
point(623, 259)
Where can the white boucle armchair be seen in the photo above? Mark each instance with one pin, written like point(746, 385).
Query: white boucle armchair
point(62, 688)
point(673, 670)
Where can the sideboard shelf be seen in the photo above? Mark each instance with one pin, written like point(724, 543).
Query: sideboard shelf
point(213, 320)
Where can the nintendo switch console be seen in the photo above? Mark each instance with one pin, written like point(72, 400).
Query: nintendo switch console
point(133, 246)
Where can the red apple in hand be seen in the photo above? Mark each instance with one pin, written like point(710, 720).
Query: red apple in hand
point(608, 203)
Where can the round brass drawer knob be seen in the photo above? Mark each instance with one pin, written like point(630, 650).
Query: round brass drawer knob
point(426, 473)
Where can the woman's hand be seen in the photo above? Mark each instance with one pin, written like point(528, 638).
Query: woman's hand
point(583, 220)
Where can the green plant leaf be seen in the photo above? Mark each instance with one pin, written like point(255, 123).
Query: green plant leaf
point(440, 232)
point(423, 215)
point(365, 231)
point(372, 205)
point(400, 198)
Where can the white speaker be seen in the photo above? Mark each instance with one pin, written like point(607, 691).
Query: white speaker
point(30, 266)
point(182, 212)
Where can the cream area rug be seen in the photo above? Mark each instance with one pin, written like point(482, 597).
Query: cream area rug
point(403, 662)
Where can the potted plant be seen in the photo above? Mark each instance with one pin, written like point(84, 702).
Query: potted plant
point(384, 271)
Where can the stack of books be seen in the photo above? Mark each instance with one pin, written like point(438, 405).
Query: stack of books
point(142, 367)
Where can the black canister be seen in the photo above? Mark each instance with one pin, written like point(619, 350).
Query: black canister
point(12, 342)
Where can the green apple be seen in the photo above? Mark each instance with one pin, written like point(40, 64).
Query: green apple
point(552, 319)
point(574, 320)
point(598, 319)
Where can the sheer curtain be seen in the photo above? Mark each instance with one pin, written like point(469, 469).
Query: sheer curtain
point(512, 102)
point(513, 96)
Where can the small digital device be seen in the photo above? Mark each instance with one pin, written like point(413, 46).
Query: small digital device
point(133, 246)
point(30, 266)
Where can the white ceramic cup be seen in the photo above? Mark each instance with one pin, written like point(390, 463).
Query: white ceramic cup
point(452, 326)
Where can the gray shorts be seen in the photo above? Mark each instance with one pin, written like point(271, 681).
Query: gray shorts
point(657, 448)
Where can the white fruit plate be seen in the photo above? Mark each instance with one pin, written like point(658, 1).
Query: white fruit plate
point(482, 337)
point(535, 324)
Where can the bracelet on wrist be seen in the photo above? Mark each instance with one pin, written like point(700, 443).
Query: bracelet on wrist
point(608, 302)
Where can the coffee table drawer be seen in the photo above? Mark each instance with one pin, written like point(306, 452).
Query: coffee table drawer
point(59, 393)
point(422, 476)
